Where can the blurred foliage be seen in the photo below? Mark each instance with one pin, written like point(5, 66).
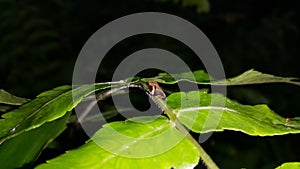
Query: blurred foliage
point(31, 48)
point(201, 5)
point(40, 40)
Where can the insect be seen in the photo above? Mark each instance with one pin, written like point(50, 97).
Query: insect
point(156, 90)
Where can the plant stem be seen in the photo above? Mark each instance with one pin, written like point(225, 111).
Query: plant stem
point(203, 155)
point(161, 103)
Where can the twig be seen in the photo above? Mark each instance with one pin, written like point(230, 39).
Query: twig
point(203, 155)
point(102, 96)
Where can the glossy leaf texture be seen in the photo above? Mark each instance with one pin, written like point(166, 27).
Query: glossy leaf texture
point(290, 165)
point(21, 151)
point(201, 77)
point(7, 98)
point(142, 138)
point(47, 107)
point(203, 112)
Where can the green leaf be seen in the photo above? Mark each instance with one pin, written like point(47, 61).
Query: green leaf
point(201, 77)
point(198, 76)
point(202, 112)
point(7, 98)
point(4, 108)
point(23, 149)
point(47, 107)
point(255, 77)
point(132, 144)
point(290, 165)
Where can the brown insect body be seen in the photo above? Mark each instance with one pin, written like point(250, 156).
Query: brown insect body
point(156, 90)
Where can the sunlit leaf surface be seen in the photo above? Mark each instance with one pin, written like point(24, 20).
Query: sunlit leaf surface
point(203, 112)
point(145, 136)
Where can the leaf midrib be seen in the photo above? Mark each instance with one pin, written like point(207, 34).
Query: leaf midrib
point(8, 135)
point(162, 126)
point(198, 109)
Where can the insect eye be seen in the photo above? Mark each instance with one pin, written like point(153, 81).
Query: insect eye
point(151, 88)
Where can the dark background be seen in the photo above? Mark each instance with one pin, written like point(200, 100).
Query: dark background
point(40, 41)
